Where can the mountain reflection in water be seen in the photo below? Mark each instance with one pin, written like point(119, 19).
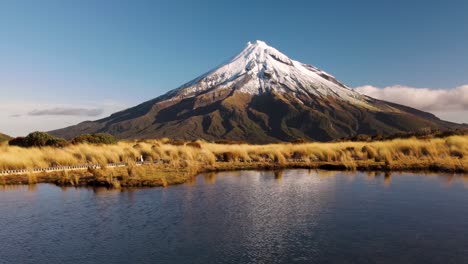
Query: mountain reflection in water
point(279, 216)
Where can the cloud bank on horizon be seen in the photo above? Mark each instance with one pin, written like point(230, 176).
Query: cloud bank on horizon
point(21, 117)
point(67, 111)
point(448, 104)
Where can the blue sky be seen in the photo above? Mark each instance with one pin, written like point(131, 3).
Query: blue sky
point(113, 54)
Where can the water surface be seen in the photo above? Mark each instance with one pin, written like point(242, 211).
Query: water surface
point(294, 216)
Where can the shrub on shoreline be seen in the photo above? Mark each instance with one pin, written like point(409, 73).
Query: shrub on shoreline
point(42, 139)
point(38, 139)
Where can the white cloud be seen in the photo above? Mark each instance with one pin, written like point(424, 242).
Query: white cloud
point(67, 111)
point(449, 104)
point(18, 118)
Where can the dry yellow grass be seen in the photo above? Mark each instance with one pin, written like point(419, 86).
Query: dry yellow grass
point(449, 154)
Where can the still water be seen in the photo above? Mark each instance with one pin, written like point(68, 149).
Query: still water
point(293, 216)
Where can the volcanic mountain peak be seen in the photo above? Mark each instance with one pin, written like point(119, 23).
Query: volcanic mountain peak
point(259, 69)
point(261, 96)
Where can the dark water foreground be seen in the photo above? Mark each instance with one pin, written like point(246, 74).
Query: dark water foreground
point(295, 216)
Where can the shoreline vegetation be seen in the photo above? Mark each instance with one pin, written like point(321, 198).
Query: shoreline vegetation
point(4, 137)
point(175, 162)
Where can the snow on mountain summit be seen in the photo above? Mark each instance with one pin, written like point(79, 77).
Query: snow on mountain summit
point(260, 68)
point(261, 96)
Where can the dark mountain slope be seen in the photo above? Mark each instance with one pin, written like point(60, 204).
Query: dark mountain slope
point(261, 96)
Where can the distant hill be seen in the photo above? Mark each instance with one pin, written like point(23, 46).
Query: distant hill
point(4, 137)
point(262, 96)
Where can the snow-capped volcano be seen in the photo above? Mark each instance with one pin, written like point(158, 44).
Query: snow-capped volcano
point(261, 96)
point(263, 69)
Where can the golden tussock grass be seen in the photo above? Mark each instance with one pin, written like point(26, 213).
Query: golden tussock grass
point(447, 154)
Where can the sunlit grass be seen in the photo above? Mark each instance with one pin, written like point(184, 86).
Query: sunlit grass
point(438, 150)
point(184, 159)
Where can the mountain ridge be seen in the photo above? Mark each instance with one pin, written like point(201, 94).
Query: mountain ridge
point(4, 137)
